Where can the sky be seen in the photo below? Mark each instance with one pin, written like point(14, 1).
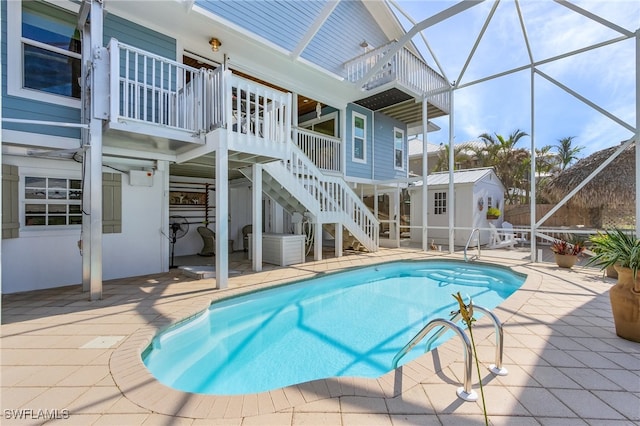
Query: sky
point(605, 76)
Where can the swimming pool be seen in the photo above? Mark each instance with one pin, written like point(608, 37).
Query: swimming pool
point(349, 323)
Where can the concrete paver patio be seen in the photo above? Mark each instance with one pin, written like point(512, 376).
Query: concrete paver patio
point(79, 361)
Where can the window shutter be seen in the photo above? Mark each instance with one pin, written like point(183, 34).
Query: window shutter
point(10, 201)
point(111, 203)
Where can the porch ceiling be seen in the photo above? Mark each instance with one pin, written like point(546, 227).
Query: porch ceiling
point(204, 166)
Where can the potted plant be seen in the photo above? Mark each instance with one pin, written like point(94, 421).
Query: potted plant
point(622, 250)
point(566, 251)
point(493, 213)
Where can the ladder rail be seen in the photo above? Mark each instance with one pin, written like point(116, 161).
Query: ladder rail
point(495, 368)
point(466, 247)
point(465, 392)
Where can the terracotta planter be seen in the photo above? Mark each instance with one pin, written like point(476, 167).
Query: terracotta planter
point(565, 260)
point(611, 272)
point(625, 304)
point(492, 217)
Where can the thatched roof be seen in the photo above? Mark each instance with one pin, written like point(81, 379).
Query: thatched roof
point(615, 185)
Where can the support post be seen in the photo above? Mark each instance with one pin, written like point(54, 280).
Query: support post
point(256, 217)
point(338, 239)
point(425, 171)
point(637, 132)
point(317, 240)
point(222, 215)
point(451, 196)
point(532, 189)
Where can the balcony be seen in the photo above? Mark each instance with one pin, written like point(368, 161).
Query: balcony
point(162, 106)
point(403, 78)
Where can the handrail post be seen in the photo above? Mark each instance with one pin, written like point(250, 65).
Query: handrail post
point(464, 392)
point(469, 242)
point(496, 368)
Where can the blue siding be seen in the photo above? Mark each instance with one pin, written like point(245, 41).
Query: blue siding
point(339, 38)
point(17, 107)
point(281, 22)
point(355, 169)
point(384, 151)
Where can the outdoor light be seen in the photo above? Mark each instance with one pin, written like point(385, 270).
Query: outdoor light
point(215, 44)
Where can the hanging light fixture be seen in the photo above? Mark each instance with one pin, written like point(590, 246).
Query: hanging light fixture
point(215, 44)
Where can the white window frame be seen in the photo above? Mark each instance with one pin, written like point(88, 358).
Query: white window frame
point(395, 166)
point(15, 66)
point(309, 124)
point(440, 203)
point(43, 230)
point(355, 159)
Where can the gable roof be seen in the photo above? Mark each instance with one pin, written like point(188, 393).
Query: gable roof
point(460, 177)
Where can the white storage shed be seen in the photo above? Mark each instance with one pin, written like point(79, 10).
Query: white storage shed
point(475, 191)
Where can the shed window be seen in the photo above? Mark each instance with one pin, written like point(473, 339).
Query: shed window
point(440, 203)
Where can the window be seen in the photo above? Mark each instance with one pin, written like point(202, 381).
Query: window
point(52, 201)
point(327, 124)
point(440, 203)
point(398, 149)
point(359, 134)
point(46, 40)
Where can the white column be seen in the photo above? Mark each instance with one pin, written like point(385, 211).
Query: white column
point(256, 217)
point(451, 205)
point(317, 241)
point(338, 239)
point(222, 215)
point(637, 132)
point(533, 189)
point(425, 170)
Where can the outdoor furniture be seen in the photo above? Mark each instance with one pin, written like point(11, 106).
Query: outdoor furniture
point(209, 241)
point(246, 230)
point(502, 238)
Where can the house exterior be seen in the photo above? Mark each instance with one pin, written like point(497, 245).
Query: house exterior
point(475, 191)
point(120, 119)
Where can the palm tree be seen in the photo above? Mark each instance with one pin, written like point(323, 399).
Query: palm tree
point(508, 161)
point(566, 152)
point(461, 158)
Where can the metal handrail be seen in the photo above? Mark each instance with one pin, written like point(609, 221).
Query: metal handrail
point(464, 392)
point(496, 368)
point(469, 242)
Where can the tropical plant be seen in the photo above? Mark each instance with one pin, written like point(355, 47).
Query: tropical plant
point(508, 161)
point(466, 311)
point(616, 247)
point(566, 152)
point(493, 212)
point(571, 245)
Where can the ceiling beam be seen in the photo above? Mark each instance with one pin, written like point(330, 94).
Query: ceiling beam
point(314, 28)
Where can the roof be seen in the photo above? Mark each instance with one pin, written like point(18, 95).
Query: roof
point(460, 177)
point(615, 185)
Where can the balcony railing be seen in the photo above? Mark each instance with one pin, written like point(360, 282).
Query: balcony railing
point(324, 151)
point(151, 89)
point(404, 67)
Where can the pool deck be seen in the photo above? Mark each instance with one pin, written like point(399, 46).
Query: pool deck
point(566, 365)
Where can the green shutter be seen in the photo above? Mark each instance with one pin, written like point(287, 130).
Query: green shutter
point(111, 203)
point(10, 201)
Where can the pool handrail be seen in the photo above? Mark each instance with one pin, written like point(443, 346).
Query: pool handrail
point(475, 256)
point(465, 392)
point(496, 368)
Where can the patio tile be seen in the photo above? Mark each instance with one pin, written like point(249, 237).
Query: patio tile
point(551, 377)
point(275, 419)
point(362, 404)
point(415, 419)
point(351, 419)
point(317, 418)
point(541, 402)
point(624, 402)
point(585, 404)
point(589, 379)
point(120, 419)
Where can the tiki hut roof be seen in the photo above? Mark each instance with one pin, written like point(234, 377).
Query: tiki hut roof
point(615, 185)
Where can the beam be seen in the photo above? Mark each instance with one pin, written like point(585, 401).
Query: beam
point(314, 28)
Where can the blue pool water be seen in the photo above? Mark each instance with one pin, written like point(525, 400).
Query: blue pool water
point(350, 323)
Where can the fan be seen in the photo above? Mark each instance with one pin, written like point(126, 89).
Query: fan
point(178, 226)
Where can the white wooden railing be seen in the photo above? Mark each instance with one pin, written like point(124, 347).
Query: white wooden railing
point(148, 88)
point(324, 151)
point(335, 201)
point(404, 67)
point(256, 112)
